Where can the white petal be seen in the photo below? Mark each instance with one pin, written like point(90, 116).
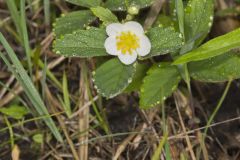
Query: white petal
point(145, 46)
point(113, 29)
point(110, 46)
point(134, 27)
point(127, 58)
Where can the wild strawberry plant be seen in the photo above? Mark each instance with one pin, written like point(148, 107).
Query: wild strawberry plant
point(133, 62)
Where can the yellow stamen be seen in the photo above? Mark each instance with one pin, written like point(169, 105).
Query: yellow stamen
point(127, 42)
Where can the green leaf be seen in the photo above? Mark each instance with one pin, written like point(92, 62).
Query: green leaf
point(112, 77)
point(15, 16)
point(163, 21)
point(163, 41)
point(85, 3)
point(212, 48)
point(217, 69)
point(38, 138)
point(104, 15)
point(141, 71)
point(120, 5)
point(198, 19)
point(72, 21)
point(82, 43)
point(159, 83)
point(180, 15)
point(15, 111)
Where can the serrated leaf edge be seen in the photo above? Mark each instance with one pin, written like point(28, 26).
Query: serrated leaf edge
point(164, 98)
point(119, 91)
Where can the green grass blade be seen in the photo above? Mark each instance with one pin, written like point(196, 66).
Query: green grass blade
point(14, 15)
point(46, 4)
point(50, 74)
point(66, 97)
point(217, 108)
point(25, 35)
point(168, 151)
point(10, 131)
point(158, 151)
point(44, 77)
point(212, 48)
point(30, 90)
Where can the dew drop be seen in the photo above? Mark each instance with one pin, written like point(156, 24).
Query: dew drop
point(180, 35)
point(210, 24)
point(120, 8)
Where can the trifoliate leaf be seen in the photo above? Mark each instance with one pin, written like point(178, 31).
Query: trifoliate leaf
point(141, 71)
point(104, 15)
point(85, 3)
point(82, 43)
point(159, 83)
point(120, 5)
point(163, 41)
point(72, 21)
point(112, 77)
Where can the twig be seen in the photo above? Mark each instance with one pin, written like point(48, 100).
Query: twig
point(141, 128)
point(53, 104)
point(84, 115)
point(153, 13)
point(184, 129)
point(9, 82)
point(83, 107)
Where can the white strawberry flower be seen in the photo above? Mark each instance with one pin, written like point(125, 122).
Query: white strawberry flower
point(127, 41)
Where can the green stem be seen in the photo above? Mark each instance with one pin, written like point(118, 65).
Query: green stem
point(217, 108)
point(127, 3)
point(10, 131)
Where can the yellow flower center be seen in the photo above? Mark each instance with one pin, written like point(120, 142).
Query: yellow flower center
point(127, 42)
